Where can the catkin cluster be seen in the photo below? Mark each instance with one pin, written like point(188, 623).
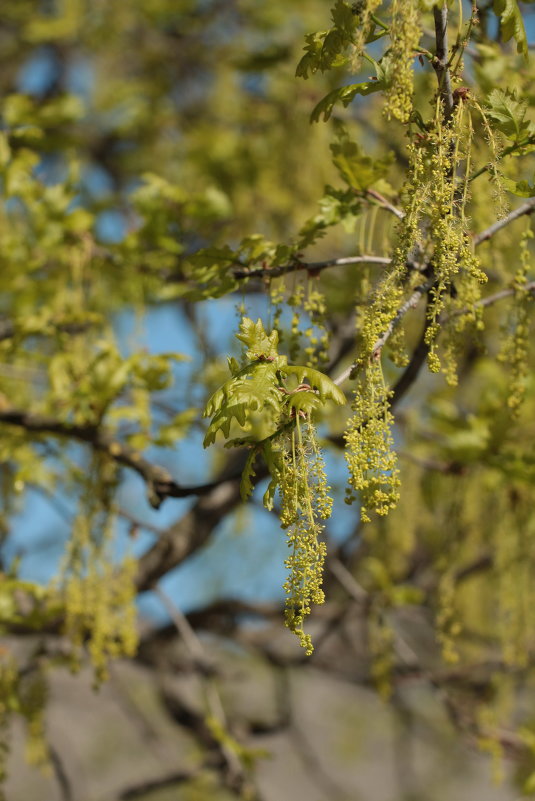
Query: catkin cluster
point(515, 347)
point(370, 456)
point(99, 595)
point(24, 694)
point(405, 35)
point(305, 502)
point(308, 304)
point(456, 269)
point(363, 11)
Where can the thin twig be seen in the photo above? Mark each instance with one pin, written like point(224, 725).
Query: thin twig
point(311, 266)
point(385, 204)
point(213, 699)
point(409, 304)
point(525, 208)
point(348, 581)
point(60, 774)
point(144, 788)
point(188, 635)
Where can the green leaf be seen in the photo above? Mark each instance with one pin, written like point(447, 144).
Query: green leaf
point(344, 18)
point(519, 188)
point(325, 387)
point(273, 457)
point(222, 420)
point(512, 24)
point(358, 170)
point(254, 388)
point(246, 484)
point(344, 95)
point(305, 401)
point(258, 343)
point(509, 114)
point(310, 62)
point(336, 206)
point(325, 49)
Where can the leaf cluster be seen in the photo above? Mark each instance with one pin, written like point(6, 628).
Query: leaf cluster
point(265, 384)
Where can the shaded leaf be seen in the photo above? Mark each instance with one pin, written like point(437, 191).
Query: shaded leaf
point(512, 24)
point(519, 188)
point(246, 484)
point(344, 95)
point(357, 169)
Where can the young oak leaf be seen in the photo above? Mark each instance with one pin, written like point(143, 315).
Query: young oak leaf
point(259, 345)
point(258, 387)
point(246, 483)
point(255, 388)
point(509, 114)
point(324, 386)
point(512, 24)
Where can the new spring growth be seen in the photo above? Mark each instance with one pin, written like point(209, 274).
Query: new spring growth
point(269, 406)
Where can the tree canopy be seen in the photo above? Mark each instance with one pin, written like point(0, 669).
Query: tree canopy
point(302, 239)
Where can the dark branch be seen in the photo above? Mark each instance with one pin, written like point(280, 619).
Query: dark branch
point(160, 483)
point(440, 62)
point(311, 266)
point(144, 788)
point(189, 534)
point(8, 329)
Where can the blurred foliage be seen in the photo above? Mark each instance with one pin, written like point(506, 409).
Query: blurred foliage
point(158, 153)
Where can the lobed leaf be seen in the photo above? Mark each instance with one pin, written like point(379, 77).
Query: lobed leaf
point(519, 188)
point(246, 484)
point(357, 169)
point(344, 95)
point(326, 388)
point(509, 114)
point(258, 343)
point(512, 24)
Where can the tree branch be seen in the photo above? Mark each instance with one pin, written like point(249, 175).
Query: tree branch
point(440, 62)
point(189, 534)
point(385, 204)
point(8, 329)
point(311, 266)
point(160, 483)
point(409, 304)
point(525, 208)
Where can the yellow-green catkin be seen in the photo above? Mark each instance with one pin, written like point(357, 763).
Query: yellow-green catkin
point(370, 455)
point(500, 205)
point(405, 35)
point(381, 643)
point(305, 502)
point(403, 275)
point(489, 724)
point(308, 304)
point(24, 695)
point(277, 295)
point(515, 347)
point(456, 269)
point(318, 338)
point(99, 595)
point(8, 705)
point(363, 11)
point(514, 545)
point(447, 620)
point(33, 696)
